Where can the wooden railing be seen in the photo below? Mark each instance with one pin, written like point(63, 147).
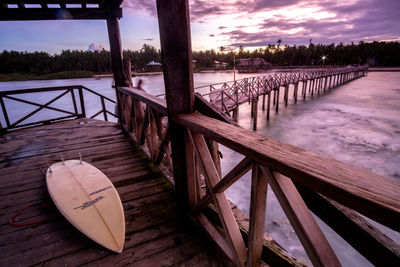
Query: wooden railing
point(144, 117)
point(228, 96)
point(301, 180)
point(32, 97)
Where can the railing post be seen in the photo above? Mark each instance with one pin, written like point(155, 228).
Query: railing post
point(103, 105)
point(74, 102)
point(176, 54)
point(116, 51)
point(81, 99)
point(268, 104)
point(3, 107)
point(258, 204)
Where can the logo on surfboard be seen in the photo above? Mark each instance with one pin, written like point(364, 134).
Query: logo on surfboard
point(87, 204)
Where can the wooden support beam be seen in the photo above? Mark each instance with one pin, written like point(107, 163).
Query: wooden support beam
point(224, 210)
point(193, 191)
point(23, 14)
point(379, 249)
point(263, 101)
point(255, 113)
point(235, 114)
point(268, 104)
point(176, 55)
point(214, 152)
point(258, 204)
point(204, 107)
point(235, 174)
point(286, 94)
point(214, 235)
point(164, 143)
point(273, 254)
point(238, 171)
point(296, 88)
point(370, 194)
point(313, 240)
point(116, 52)
point(312, 85)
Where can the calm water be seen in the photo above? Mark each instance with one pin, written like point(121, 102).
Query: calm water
point(358, 123)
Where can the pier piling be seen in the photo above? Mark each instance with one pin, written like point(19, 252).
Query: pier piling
point(227, 97)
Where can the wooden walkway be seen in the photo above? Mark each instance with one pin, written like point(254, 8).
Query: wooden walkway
point(154, 237)
point(228, 96)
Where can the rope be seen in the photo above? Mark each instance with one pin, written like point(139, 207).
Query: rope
point(11, 221)
point(46, 203)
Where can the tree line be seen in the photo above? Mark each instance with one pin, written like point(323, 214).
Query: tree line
point(374, 53)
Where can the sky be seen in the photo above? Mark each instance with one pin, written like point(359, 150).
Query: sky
point(215, 23)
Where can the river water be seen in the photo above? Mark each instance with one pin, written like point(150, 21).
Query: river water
point(357, 123)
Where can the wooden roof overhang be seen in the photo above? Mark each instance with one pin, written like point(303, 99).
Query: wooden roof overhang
point(59, 9)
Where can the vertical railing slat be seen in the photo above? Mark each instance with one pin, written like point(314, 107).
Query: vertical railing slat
point(258, 204)
point(82, 102)
point(3, 107)
point(74, 101)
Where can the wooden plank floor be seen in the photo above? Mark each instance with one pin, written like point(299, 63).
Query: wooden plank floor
point(154, 236)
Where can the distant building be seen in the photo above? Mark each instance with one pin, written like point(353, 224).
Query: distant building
point(220, 65)
point(153, 66)
point(217, 65)
point(224, 65)
point(194, 61)
point(252, 64)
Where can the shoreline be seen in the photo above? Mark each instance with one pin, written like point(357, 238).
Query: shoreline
point(81, 74)
point(384, 69)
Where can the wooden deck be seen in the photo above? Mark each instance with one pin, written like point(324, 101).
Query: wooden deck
point(153, 234)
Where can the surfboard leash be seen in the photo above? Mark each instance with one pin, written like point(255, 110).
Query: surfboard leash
point(46, 203)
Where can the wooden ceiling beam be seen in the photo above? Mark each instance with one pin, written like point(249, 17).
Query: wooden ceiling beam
point(53, 1)
point(15, 14)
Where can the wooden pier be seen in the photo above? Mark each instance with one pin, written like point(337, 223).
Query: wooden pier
point(228, 96)
point(180, 136)
point(154, 235)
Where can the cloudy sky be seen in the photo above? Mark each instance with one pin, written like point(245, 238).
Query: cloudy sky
point(215, 23)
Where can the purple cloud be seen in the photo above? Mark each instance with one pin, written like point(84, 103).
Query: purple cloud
point(148, 6)
point(351, 21)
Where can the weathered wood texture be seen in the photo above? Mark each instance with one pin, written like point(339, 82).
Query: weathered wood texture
point(99, 9)
point(75, 93)
point(176, 56)
point(228, 96)
point(153, 235)
point(116, 52)
point(200, 197)
point(370, 194)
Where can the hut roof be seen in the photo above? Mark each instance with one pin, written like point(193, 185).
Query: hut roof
point(252, 62)
point(153, 63)
point(59, 9)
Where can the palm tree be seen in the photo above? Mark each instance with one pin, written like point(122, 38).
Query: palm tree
point(279, 42)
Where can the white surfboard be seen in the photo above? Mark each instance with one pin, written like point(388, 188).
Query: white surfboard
point(89, 201)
